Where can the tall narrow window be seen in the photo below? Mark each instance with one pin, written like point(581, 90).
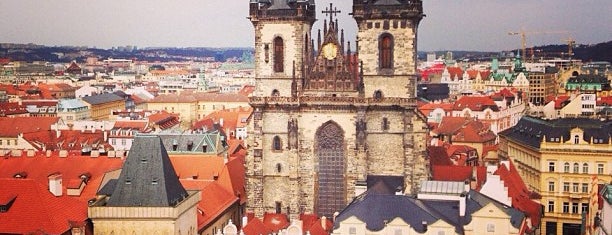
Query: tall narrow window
point(276, 143)
point(576, 167)
point(386, 51)
point(585, 168)
point(566, 167)
point(279, 55)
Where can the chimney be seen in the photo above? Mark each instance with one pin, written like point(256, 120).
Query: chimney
point(63, 153)
point(221, 122)
point(324, 223)
point(245, 220)
point(58, 133)
point(462, 202)
point(360, 187)
point(105, 136)
point(55, 184)
point(48, 153)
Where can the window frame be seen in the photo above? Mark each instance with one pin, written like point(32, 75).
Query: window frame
point(386, 49)
point(278, 47)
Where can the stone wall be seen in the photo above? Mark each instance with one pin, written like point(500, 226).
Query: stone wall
point(400, 80)
point(293, 34)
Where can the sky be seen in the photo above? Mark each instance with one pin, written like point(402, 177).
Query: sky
point(481, 25)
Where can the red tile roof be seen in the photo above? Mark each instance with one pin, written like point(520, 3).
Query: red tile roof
point(13, 126)
point(275, 222)
point(256, 227)
point(139, 125)
point(604, 101)
point(475, 103)
point(67, 140)
point(40, 166)
point(36, 210)
point(203, 167)
point(561, 101)
point(455, 72)
point(460, 173)
point(427, 108)
point(521, 196)
point(9, 109)
point(465, 130)
point(438, 156)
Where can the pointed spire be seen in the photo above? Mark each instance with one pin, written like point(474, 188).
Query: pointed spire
point(319, 41)
point(342, 40)
point(148, 177)
point(324, 27)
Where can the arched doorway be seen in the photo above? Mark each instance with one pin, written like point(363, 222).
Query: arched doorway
point(331, 187)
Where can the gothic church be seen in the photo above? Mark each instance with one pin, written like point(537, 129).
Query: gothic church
point(326, 119)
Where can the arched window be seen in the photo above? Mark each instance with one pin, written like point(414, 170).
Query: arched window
point(566, 167)
point(276, 143)
point(585, 168)
point(279, 55)
point(385, 48)
point(576, 139)
point(275, 93)
point(576, 167)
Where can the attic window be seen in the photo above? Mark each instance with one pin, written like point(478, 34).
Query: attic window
point(189, 145)
point(204, 148)
point(155, 181)
point(128, 181)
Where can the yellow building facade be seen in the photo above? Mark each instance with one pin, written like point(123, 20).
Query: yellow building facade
point(560, 159)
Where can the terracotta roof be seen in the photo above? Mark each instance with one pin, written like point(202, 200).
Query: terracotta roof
point(233, 178)
point(604, 101)
point(427, 108)
point(67, 140)
point(36, 210)
point(139, 125)
point(275, 222)
point(214, 201)
point(203, 167)
point(561, 101)
point(460, 173)
point(256, 227)
point(39, 167)
point(521, 196)
point(232, 118)
point(438, 156)
point(465, 130)
point(455, 72)
point(475, 103)
point(13, 126)
point(8, 109)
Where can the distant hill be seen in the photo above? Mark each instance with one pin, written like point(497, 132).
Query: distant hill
point(594, 52)
point(32, 52)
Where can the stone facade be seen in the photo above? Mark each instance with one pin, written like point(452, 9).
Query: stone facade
point(321, 133)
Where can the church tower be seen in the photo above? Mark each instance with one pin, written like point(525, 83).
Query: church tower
point(282, 32)
point(326, 123)
point(388, 45)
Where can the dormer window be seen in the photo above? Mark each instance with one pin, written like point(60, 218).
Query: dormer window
point(576, 139)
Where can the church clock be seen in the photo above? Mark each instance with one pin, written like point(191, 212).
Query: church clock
point(330, 51)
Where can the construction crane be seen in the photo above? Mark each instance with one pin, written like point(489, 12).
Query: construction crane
point(524, 34)
point(570, 46)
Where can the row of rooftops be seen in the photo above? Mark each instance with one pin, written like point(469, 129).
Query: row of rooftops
point(534, 131)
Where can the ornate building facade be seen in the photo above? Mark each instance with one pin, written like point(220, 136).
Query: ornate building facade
point(326, 118)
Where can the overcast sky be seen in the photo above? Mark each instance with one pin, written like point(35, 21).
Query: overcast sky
point(449, 24)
